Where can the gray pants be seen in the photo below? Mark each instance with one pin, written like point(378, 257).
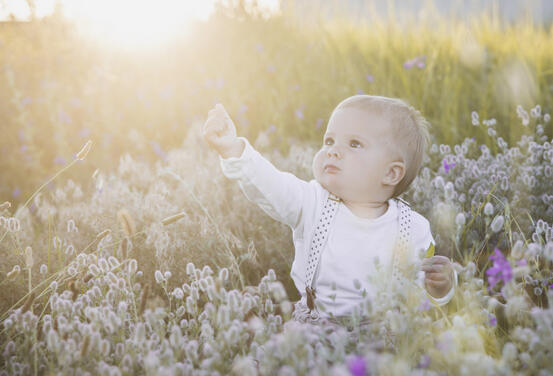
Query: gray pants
point(354, 328)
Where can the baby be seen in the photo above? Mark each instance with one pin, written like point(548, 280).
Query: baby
point(348, 219)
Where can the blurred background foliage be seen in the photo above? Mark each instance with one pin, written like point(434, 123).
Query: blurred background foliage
point(280, 75)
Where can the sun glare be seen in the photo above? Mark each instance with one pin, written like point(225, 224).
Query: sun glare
point(128, 23)
point(135, 23)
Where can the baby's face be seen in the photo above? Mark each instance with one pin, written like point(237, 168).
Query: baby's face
point(360, 146)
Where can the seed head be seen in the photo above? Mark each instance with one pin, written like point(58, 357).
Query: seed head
point(29, 257)
point(81, 155)
point(168, 220)
point(28, 302)
point(497, 223)
point(133, 266)
point(126, 222)
point(14, 272)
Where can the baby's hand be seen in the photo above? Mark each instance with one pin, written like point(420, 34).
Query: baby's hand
point(438, 275)
point(220, 133)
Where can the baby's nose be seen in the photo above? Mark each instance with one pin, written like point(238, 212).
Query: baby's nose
point(333, 151)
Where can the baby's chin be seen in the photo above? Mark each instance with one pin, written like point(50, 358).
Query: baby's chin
point(329, 187)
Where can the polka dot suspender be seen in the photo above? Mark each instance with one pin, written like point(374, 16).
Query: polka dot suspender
point(321, 233)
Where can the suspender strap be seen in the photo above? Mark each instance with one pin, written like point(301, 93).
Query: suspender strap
point(321, 234)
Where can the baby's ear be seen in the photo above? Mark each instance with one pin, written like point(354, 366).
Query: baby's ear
point(396, 172)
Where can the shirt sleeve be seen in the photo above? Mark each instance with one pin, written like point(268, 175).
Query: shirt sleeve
point(279, 194)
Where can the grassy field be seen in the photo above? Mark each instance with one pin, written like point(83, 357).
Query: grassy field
point(95, 277)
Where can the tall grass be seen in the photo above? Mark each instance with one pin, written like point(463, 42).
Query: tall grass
point(286, 74)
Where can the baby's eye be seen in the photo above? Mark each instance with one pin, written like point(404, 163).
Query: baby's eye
point(354, 142)
point(327, 140)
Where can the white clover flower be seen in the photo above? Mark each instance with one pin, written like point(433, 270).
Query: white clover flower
point(13, 225)
point(475, 118)
point(206, 271)
point(497, 223)
point(488, 208)
point(536, 111)
point(14, 272)
point(71, 226)
point(271, 275)
point(103, 265)
point(69, 250)
point(203, 284)
point(159, 277)
point(180, 311)
point(460, 219)
point(132, 267)
point(178, 293)
point(509, 353)
point(190, 269)
point(546, 118)
point(167, 275)
point(113, 262)
point(94, 270)
point(269, 306)
point(277, 290)
point(72, 271)
point(223, 274)
point(112, 278)
point(43, 269)
point(190, 304)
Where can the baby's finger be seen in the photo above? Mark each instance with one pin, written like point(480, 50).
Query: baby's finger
point(436, 276)
point(440, 259)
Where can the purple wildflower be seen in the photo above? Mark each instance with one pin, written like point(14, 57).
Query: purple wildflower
point(319, 123)
point(299, 114)
point(357, 366)
point(522, 262)
point(493, 320)
point(23, 148)
point(158, 150)
point(59, 160)
point(424, 361)
point(419, 61)
point(16, 192)
point(425, 305)
point(360, 92)
point(369, 78)
point(448, 166)
point(501, 269)
point(271, 128)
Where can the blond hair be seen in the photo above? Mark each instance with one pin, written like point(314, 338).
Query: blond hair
point(409, 130)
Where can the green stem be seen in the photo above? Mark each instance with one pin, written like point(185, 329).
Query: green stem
point(231, 255)
point(39, 189)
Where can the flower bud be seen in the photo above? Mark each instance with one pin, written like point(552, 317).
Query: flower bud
point(29, 257)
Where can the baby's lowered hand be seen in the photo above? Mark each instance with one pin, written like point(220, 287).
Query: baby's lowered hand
point(220, 133)
point(438, 275)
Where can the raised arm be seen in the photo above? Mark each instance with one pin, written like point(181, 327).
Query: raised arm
point(281, 195)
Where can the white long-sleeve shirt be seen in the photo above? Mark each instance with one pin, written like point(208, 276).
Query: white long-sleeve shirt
point(353, 243)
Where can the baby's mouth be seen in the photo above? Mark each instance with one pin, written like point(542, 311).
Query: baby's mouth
point(331, 168)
